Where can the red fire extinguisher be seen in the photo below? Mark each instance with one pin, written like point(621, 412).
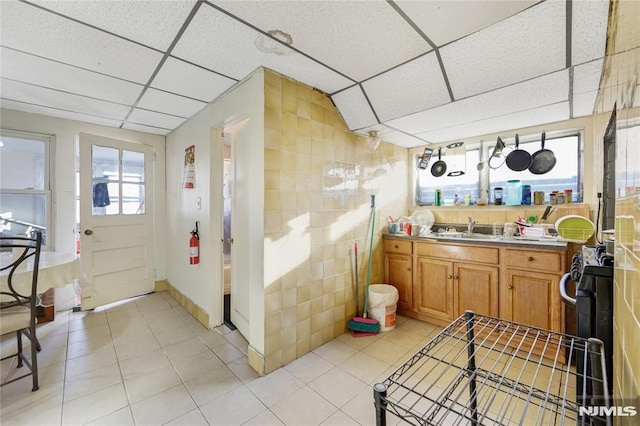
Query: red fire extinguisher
point(194, 247)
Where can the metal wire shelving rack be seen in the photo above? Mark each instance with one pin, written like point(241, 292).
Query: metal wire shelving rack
point(482, 370)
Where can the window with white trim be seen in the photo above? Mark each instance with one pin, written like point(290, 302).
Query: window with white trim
point(25, 184)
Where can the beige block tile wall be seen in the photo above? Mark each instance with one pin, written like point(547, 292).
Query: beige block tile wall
point(318, 181)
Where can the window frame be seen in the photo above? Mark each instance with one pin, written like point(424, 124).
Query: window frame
point(48, 141)
point(486, 147)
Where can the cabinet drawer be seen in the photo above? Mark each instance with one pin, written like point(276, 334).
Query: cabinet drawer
point(462, 252)
point(537, 260)
point(398, 246)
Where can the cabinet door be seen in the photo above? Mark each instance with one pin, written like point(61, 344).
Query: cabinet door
point(475, 289)
point(398, 273)
point(433, 288)
point(533, 298)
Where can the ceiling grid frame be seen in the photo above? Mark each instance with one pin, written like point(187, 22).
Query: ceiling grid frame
point(580, 19)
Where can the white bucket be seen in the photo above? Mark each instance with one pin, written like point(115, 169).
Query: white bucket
point(382, 305)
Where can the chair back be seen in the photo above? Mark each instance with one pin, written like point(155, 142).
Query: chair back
point(17, 251)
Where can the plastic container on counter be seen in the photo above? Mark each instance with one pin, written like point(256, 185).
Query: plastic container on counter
point(514, 192)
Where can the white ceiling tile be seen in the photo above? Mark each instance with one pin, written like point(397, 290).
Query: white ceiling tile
point(238, 55)
point(188, 80)
point(154, 119)
point(145, 129)
point(412, 87)
point(63, 40)
point(506, 123)
point(445, 21)
point(545, 90)
point(586, 77)
point(588, 30)
point(152, 23)
point(395, 137)
point(527, 45)
point(53, 112)
point(359, 39)
point(33, 69)
point(584, 103)
point(168, 103)
point(354, 108)
point(23, 92)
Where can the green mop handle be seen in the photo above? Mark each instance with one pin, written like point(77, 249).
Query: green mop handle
point(373, 224)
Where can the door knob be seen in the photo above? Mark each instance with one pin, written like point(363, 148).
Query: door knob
point(88, 232)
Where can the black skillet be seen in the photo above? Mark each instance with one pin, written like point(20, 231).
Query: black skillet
point(518, 159)
point(543, 160)
point(439, 167)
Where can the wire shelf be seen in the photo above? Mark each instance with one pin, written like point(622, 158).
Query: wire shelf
point(483, 370)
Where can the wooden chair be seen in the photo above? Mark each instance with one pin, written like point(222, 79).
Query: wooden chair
point(17, 309)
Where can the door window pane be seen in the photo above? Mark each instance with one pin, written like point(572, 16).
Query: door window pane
point(132, 198)
point(132, 166)
point(105, 163)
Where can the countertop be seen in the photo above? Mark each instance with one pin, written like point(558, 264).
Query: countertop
point(498, 241)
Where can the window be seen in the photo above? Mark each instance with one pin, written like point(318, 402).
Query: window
point(25, 187)
point(450, 186)
point(567, 174)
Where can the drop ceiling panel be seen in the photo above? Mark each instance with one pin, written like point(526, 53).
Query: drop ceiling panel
point(527, 45)
point(583, 103)
point(53, 112)
point(36, 95)
point(63, 40)
point(151, 23)
point(586, 77)
point(188, 80)
point(545, 90)
point(35, 70)
point(169, 103)
point(446, 21)
point(359, 39)
point(588, 30)
point(354, 108)
point(518, 120)
point(395, 137)
point(238, 55)
point(154, 119)
point(412, 87)
point(145, 129)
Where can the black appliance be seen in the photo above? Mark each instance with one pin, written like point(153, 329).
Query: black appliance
point(592, 270)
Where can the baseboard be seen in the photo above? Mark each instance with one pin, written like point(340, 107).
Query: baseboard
point(196, 311)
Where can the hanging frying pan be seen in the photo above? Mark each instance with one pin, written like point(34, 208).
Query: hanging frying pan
point(518, 159)
point(543, 160)
point(439, 167)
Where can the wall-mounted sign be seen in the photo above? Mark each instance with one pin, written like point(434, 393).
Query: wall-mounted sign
point(189, 176)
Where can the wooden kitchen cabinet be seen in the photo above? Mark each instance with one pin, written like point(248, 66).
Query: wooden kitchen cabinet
point(444, 289)
point(530, 289)
point(398, 271)
point(433, 289)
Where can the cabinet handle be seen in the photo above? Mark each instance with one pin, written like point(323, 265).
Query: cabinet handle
point(449, 276)
point(409, 268)
point(455, 277)
point(509, 287)
point(530, 258)
point(396, 246)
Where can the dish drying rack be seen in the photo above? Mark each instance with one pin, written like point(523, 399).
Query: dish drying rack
point(482, 370)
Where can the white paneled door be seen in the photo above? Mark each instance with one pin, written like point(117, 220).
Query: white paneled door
point(116, 218)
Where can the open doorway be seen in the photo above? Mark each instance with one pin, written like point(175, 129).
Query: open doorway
point(227, 193)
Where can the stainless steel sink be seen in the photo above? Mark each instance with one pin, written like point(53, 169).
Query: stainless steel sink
point(475, 236)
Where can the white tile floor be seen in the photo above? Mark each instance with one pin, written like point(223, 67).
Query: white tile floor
point(146, 361)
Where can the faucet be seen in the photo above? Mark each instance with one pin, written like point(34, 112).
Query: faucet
point(471, 225)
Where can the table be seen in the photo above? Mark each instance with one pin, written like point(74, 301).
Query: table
point(57, 269)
